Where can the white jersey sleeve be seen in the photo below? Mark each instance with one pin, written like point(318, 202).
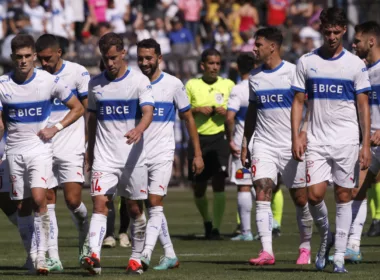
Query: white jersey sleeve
point(361, 79)
point(145, 93)
point(234, 100)
point(181, 100)
point(61, 90)
point(299, 79)
point(82, 82)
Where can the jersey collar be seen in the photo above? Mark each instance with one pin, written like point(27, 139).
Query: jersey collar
point(27, 81)
point(332, 58)
point(119, 79)
point(272, 70)
point(61, 69)
point(373, 64)
point(158, 79)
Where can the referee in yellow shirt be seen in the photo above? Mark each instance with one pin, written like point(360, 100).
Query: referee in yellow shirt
point(208, 98)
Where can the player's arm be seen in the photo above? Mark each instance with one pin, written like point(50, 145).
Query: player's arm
point(134, 135)
point(91, 134)
point(2, 126)
point(298, 147)
point(206, 110)
point(198, 164)
point(365, 125)
point(229, 126)
point(249, 128)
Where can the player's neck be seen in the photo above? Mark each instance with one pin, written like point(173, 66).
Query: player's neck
point(209, 80)
point(119, 74)
point(155, 75)
point(58, 66)
point(21, 77)
point(373, 56)
point(326, 53)
point(244, 76)
point(272, 62)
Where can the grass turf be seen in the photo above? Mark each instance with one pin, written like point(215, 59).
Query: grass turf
point(199, 259)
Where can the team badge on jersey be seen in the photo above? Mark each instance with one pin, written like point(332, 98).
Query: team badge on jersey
point(219, 98)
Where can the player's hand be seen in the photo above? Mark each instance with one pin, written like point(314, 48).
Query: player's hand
point(243, 154)
point(375, 138)
point(299, 146)
point(207, 111)
point(364, 157)
point(234, 150)
point(220, 110)
point(47, 133)
point(133, 136)
point(198, 165)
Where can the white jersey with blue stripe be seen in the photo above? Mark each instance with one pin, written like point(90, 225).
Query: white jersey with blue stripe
point(374, 96)
point(238, 103)
point(169, 94)
point(117, 105)
point(272, 93)
point(27, 108)
point(71, 140)
point(332, 86)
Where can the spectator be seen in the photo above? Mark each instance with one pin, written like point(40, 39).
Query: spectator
point(78, 16)
point(3, 22)
point(115, 16)
point(14, 9)
point(97, 10)
point(296, 50)
point(159, 35)
point(124, 6)
point(277, 12)
point(312, 32)
point(36, 14)
point(87, 50)
point(222, 39)
point(249, 17)
point(301, 11)
point(191, 10)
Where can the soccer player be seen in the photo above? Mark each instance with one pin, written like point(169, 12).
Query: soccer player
point(26, 96)
point(169, 95)
point(337, 85)
point(208, 98)
point(268, 119)
point(120, 106)
point(68, 146)
point(234, 125)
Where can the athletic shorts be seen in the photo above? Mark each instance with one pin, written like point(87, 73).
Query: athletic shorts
point(28, 171)
point(269, 162)
point(130, 182)
point(5, 186)
point(215, 153)
point(159, 175)
point(239, 176)
point(337, 162)
point(66, 169)
point(375, 163)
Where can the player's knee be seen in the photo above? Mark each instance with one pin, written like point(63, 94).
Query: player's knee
point(72, 201)
point(199, 189)
point(50, 196)
point(135, 208)
point(343, 195)
point(301, 201)
point(100, 205)
point(155, 200)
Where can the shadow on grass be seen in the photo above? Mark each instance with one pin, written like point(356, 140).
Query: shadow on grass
point(273, 269)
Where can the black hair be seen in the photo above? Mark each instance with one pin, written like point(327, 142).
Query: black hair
point(333, 16)
point(246, 62)
point(47, 41)
point(209, 52)
point(369, 28)
point(272, 34)
point(22, 41)
point(150, 44)
point(109, 40)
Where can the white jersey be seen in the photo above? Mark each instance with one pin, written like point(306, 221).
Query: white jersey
point(117, 106)
point(272, 93)
point(71, 140)
point(27, 109)
point(238, 102)
point(169, 94)
point(37, 17)
point(332, 86)
point(374, 96)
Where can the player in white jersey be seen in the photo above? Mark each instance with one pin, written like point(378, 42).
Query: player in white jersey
point(234, 125)
point(68, 146)
point(267, 125)
point(337, 85)
point(26, 96)
point(120, 106)
point(169, 95)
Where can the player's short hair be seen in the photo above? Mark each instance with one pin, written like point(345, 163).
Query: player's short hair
point(209, 52)
point(246, 62)
point(109, 40)
point(272, 34)
point(369, 28)
point(150, 44)
point(22, 41)
point(47, 41)
point(333, 16)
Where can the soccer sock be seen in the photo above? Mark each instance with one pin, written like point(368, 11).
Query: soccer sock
point(124, 217)
point(98, 228)
point(13, 218)
point(321, 220)
point(377, 201)
point(25, 227)
point(80, 219)
point(371, 200)
point(111, 219)
point(245, 208)
point(202, 205)
point(277, 206)
point(53, 233)
point(305, 225)
point(138, 227)
point(165, 240)
point(238, 221)
point(343, 221)
point(41, 230)
point(359, 215)
point(153, 229)
point(264, 222)
point(219, 206)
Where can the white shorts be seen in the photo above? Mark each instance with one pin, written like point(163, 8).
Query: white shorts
point(375, 163)
point(337, 162)
point(67, 168)
point(159, 175)
point(28, 171)
point(239, 176)
point(5, 186)
point(269, 162)
point(130, 182)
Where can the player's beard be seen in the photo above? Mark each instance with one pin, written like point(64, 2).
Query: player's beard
point(152, 69)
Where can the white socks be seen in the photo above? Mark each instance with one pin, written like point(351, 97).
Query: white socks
point(79, 217)
point(343, 220)
point(153, 229)
point(305, 226)
point(13, 218)
point(264, 221)
point(97, 232)
point(321, 220)
point(25, 227)
point(138, 227)
point(53, 233)
point(245, 207)
point(359, 215)
point(41, 231)
point(165, 240)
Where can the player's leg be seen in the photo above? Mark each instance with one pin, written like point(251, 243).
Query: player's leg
point(109, 240)
point(9, 207)
point(277, 205)
point(124, 224)
point(374, 192)
point(201, 202)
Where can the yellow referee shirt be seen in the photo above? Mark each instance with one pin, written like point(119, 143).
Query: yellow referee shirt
point(202, 94)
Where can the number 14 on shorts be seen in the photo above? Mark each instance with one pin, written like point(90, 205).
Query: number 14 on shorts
point(95, 186)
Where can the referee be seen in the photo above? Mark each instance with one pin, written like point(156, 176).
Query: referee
point(208, 98)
